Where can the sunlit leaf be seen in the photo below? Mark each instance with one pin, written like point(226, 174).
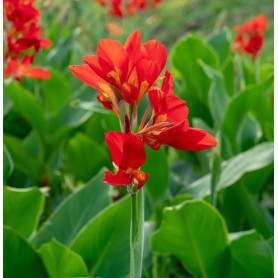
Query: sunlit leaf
point(196, 234)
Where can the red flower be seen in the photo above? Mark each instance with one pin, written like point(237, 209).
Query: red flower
point(169, 125)
point(18, 69)
point(122, 72)
point(116, 9)
point(250, 36)
point(22, 34)
point(128, 154)
point(119, 8)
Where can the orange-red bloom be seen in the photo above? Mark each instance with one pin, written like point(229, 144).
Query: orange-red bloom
point(250, 36)
point(23, 38)
point(169, 124)
point(120, 8)
point(18, 69)
point(122, 72)
point(128, 154)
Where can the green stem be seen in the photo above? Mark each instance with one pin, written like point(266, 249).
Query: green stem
point(136, 233)
point(240, 73)
point(257, 70)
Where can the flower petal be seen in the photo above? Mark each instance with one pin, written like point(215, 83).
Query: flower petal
point(118, 179)
point(87, 75)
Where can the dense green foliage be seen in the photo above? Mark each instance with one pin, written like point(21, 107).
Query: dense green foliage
point(208, 214)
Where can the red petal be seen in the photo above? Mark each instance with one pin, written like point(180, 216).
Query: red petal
point(126, 150)
point(93, 63)
point(87, 75)
point(113, 56)
point(193, 139)
point(167, 84)
point(118, 179)
point(155, 51)
point(133, 46)
point(37, 72)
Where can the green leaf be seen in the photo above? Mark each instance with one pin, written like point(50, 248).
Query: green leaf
point(26, 104)
point(54, 99)
point(22, 209)
point(219, 41)
point(23, 161)
point(8, 165)
point(99, 124)
point(233, 169)
point(255, 100)
point(20, 259)
point(7, 104)
point(248, 211)
point(252, 256)
point(218, 100)
point(107, 254)
point(185, 58)
point(75, 212)
point(60, 261)
point(157, 166)
point(85, 157)
point(228, 69)
point(196, 234)
point(249, 133)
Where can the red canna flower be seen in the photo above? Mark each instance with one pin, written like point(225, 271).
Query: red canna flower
point(169, 124)
point(23, 35)
point(128, 154)
point(18, 69)
point(119, 8)
point(250, 36)
point(122, 72)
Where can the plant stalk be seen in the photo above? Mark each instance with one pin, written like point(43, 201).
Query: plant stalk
point(136, 233)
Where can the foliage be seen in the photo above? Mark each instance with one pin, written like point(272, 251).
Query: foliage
point(61, 220)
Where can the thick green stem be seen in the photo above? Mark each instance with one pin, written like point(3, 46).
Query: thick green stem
point(240, 73)
point(257, 70)
point(136, 233)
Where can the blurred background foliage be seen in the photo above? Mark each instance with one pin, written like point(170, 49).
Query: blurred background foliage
point(56, 209)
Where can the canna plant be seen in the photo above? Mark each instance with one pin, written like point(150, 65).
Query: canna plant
point(23, 40)
point(123, 76)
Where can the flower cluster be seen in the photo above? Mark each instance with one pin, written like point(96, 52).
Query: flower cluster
point(250, 37)
point(123, 75)
point(120, 8)
point(23, 39)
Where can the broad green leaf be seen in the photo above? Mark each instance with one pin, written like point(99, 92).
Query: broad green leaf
point(257, 216)
point(185, 57)
point(75, 212)
point(219, 41)
point(247, 211)
point(196, 234)
point(252, 256)
point(60, 261)
point(26, 104)
point(249, 133)
point(232, 170)
point(23, 161)
point(85, 157)
point(54, 99)
point(254, 99)
point(218, 100)
point(59, 56)
point(20, 259)
point(157, 166)
point(99, 124)
point(8, 164)
point(104, 241)
point(22, 209)
point(7, 104)
point(228, 69)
